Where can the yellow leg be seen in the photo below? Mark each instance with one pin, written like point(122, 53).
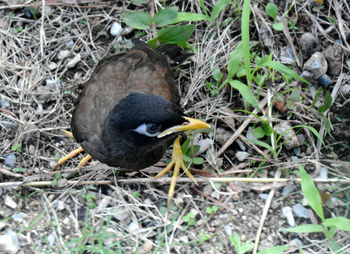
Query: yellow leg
point(83, 162)
point(67, 157)
point(176, 162)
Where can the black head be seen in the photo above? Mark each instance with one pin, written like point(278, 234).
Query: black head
point(139, 118)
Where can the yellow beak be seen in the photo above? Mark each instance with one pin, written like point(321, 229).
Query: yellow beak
point(191, 124)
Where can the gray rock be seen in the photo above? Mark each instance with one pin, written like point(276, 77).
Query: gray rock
point(241, 155)
point(63, 54)
point(116, 29)
point(5, 103)
point(345, 90)
point(287, 213)
point(51, 239)
point(9, 243)
point(10, 160)
point(300, 211)
point(317, 65)
point(9, 202)
point(309, 44)
point(288, 189)
point(19, 217)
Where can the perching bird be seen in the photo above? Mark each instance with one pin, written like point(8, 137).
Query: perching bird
point(129, 113)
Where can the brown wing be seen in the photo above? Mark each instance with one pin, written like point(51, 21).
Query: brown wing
point(142, 70)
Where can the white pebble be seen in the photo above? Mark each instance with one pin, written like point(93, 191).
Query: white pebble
point(73, 62)
point(241, 156)
point(63, 54)
point(7, 244)
point(287, 212)
point(52, 66)
point(204, 144)
point(116, 29)
point(133, 227)
point(9, 202)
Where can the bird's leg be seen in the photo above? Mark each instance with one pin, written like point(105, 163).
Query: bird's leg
point(73, 154)
point(176, 162)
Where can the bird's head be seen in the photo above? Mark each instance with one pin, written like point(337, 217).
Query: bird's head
point(146, 120)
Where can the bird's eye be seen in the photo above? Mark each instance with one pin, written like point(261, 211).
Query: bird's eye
point(149, 129)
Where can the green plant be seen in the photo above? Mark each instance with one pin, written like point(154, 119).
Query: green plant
point(189, 218)
point(271, 10)
point(211, 209)
point(240, 247)
point(90, 199)
point(57, 176)
point(203, 237)
point(328, 226)
point(17, 148)
point(189, 150)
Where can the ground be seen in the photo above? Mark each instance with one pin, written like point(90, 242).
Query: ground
point(45, 60)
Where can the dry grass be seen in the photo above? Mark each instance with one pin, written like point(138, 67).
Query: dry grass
point(38, 112)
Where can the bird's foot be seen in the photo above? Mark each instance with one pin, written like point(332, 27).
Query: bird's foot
point(73, 154)
point(176, 162)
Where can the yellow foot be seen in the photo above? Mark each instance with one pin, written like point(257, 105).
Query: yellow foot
point(176, 162)
point(73, 154)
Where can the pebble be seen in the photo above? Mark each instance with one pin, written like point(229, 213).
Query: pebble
point(127, 30)
point(289, 136)
point(70, 44)
point(51, 239)
point(31, 149)
point(287, 213)
point(8, 244)
point(9, 202)
point(19, 217)
point(324, 81)
point(300, 211)
point(52, 66)
point(309, 44)
point(288, 189)
point(10, 160)
point(241, 155)
point(116, 29)
point(59, 205)
point(5, 103)
point(317, 65)
point(345, 90)
point(323, 173)
point(297, 243)
point(73, 62)
point(120, 213)
point(204, 145)
point(133, 227)
point(147, 245)
point(103, 203)
point(53, 82)
point(63, 54)
point(222, 135)
point(249, 134)
point(287, 56)
point(66, 221)
point(333, 54)
point(264, 196)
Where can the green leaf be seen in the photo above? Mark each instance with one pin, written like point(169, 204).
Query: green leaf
point(18, 29)
point(339, 222)
point(17, 148)
point(218, 7)
point(203, 237)
point(258, 132)
point(274, 250)
point(310, 192)
point(216, 73)
point(166, 16)
point(260, 143)
point(283, 69)
point(198, 160)
point(234, 61)
point(318, 92)
point(327, 103)
point(277, 26)
point(271, 10)
point(189, 16)
point(175, 34)
point(138, 20)
point(246, 39)
point(22, 170)
point(308, 228)
point(245, 91)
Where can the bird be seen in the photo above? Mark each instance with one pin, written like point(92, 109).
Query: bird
point(129, 113)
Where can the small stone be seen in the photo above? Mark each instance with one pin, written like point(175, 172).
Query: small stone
point(147, 245)
point(19, 217)
point(31, 149)
point(345, 90)
point(120, 213)
point(323, 173)
point(309, 44)
point(2, 225)
point(103, 203)
point(222, 135)
point(51, 239)
point(287, 56)
point(5, 103)
point(53, 82)
point(8, 244)
point(184, 238)
point(333, 54)
point(317, 65)
point(116, 29)
point(249, 134)
point(289, 136)
point(63, 54)
point(59, 205)
point(241, 155)
point(127, 30)
point(324, 81)
point(10, 160)
point(204, 144)
point(52, 164)
point(296, 243)
point(10, 202)
point(66, 221)
point(133, 227)
point(287, 213)
point(288, 189)
point(73, 62)
point(264, 196)
point(52, 66)
point(70, 43)
point(300, 211)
